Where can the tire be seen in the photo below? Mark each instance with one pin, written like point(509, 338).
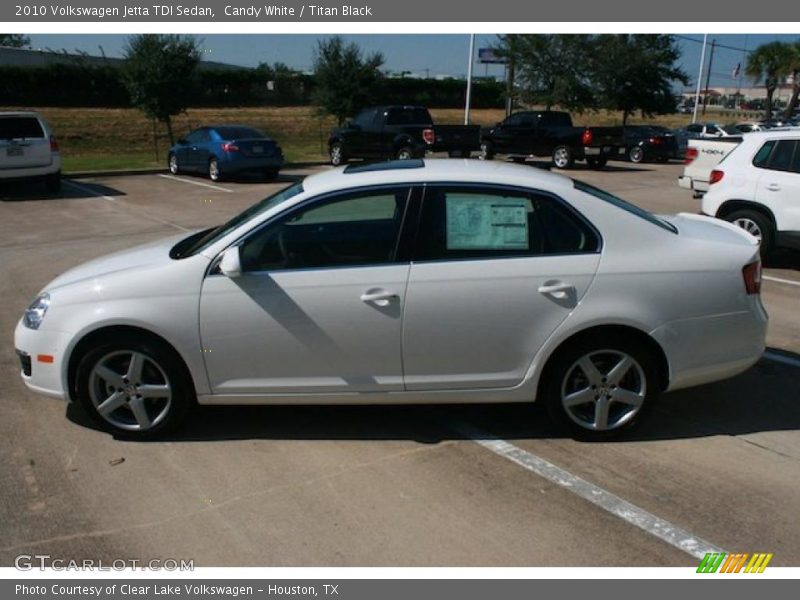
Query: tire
point(597, 163)
point(486, 150)
point(587, 398)
point(52, 183)
point(563, 158)
point(133, 364)
point(757, 225)
point(636, 154)
point(458, 153)
point(336, 154)
point(214, 172)
point(172, 164)
point(271, 174)
point(404, 153)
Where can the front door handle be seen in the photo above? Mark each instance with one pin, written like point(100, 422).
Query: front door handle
point(379, 297)
point(774, 187)
point(556, 288)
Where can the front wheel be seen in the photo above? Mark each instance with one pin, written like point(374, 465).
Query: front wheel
point(404, 153)
point(757, 225)
point(486, 151)
point(600, 386)
point(563, 158)
point(172, 163)
point(134, 386)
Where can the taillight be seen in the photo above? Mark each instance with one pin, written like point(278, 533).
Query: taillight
point(588, 137)
point(691, 154)
point(716, 176)
point(656, 141)
point(230, 147)
point(752, 277)
point(53, 144)
point(428, 136)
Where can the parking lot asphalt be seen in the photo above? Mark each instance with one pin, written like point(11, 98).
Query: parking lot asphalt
point(713, 467)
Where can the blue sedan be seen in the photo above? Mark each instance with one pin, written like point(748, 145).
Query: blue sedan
point(226, 150)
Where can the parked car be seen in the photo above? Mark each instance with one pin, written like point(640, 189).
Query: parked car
point(551, 133)
point(757, 186)
point(645, 143)
point(225, 151)
point(702, 156)
point(748, 127)
point(405, 282)
point(29, 150)
point(699, 131)
point(402, 132)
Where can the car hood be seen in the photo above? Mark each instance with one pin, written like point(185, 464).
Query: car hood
point(145, 255)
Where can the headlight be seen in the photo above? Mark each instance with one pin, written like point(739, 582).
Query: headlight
point(34, 315)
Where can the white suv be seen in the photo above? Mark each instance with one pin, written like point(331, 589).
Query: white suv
point(28, 149)
point(757, 187)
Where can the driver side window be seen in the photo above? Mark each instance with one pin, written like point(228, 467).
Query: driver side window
point(354, 229)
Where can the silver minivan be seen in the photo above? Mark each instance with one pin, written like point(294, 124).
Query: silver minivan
point(29, 150)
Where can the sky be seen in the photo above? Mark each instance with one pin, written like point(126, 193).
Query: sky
point(428, 54)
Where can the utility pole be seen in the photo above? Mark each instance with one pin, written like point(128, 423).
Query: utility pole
point(469, 77)
point(708, 74)
point(510, 74)
point(699, 78)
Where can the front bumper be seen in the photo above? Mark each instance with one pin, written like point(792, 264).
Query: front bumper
point(46, 351)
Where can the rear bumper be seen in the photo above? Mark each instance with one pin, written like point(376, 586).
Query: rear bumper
point(690, 183)
point(706, 349)
point(31, 172)
point(251, 163)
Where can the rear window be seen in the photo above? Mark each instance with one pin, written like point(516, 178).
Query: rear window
point(556, 119)
point(237, 133)
point(624, 205)
point(409, 116)
point(15, 128)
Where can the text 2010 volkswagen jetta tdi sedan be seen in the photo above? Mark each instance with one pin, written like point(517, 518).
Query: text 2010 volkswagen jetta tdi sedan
point(406, 282)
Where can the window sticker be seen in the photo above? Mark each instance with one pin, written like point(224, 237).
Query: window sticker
point(487, 222)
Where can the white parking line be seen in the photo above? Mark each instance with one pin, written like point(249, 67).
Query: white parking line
point(778, 357)
point(779, 280)
point(91, 192)
point(638, 517)
point(200, 183)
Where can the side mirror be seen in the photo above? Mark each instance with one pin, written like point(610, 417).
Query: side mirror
point(231, 263)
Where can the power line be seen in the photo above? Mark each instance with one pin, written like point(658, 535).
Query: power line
point(691, 39)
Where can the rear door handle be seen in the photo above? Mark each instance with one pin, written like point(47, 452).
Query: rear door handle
point(774, 187)
point(379, 297)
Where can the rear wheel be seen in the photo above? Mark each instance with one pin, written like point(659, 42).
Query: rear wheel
point(757, 225)
point(600, 385)
point(563, 158)
point(214, 173)
point(404, 153)
point(636, 154)
point(134, 386)
point(271, 174)
point(336, 154)
point(486, 151)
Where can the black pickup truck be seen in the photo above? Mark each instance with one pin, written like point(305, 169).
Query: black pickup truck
point(383, 132)
point(551, 133)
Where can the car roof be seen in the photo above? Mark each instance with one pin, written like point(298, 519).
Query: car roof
point(774, 134)
point(434, 170)
point(20, 113)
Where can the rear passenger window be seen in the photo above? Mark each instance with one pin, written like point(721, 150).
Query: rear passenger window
point(19, 128)
point(782, 154)
point(762, 156)
point(459, 223)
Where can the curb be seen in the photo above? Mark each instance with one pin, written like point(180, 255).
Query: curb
point(158, 170)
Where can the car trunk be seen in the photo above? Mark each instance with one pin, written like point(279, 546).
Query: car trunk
point(256, 147)
point(23, 143)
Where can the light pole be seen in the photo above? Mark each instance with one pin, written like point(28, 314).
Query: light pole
point(469, 77)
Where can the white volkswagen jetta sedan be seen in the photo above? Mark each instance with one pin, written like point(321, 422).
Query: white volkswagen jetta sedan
point(406, 282)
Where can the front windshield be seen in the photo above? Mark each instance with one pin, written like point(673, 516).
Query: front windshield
point(198, 242)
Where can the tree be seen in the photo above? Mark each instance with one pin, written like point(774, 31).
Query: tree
point(552, 70)
point(636, 72)
point(794, 71)
point(160, 74)
point(344, 77)
point(770, 63)
point(14, 40)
